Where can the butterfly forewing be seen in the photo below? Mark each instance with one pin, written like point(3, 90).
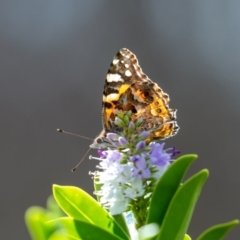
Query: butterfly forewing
point(128, 88)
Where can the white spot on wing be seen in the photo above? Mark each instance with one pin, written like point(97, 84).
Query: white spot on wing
point(128, 73)
point(112, 97)
point(114, 77)
point(126, 65)
point(115, 61)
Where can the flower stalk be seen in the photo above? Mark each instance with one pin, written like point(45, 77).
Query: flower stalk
point(129, 169)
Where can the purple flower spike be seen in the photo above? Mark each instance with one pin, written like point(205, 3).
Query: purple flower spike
point(123, 141)
point(112, 136)
point(144, 134)
point(141, 145)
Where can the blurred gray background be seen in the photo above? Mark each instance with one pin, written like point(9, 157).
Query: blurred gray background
point(54, 56)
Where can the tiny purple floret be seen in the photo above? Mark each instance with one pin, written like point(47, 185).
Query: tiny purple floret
point(141, 170)
point(102, 154)
point(114, 156)
point(175, 152)
point(135, 158)
point(158, 156)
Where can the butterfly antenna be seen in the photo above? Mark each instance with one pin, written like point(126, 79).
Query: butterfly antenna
point(73, 134)
point(81, 160)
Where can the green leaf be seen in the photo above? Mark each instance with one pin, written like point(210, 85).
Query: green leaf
point(81, 206)
point(59, 235)
point(180, 210)
point(186, 237)
point(53, 208)
point(75, 229)
point(219, 231)
point(35, 218)
point(166, 188)
point(119, 218)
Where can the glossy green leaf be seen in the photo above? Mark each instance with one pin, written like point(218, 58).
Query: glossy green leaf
point(75, 229)
point(186, 237)
point(81, 206)
point(59, 235)
point(35, 218)
point(53, 208)
point(119, 218)
point(218, 231)
point(180, 210)
point(166, 188)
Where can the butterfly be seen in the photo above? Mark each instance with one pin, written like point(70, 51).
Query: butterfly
point(128, 88)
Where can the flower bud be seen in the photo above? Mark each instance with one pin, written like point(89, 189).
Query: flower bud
point(129, 113)
point(138, 122)
point(112, 136)
point(144, 134)
point(141, 145)
point(123, 141)
point(120, 114)
point(131, 125)
point(119, 122)
point(126, 119)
